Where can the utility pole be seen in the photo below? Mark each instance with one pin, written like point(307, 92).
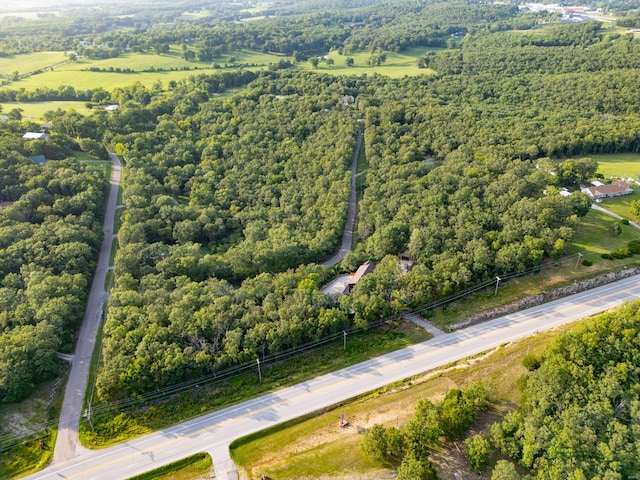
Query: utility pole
point(259, 372)
point(578, 261)
point(497, 283)
point(345, 339)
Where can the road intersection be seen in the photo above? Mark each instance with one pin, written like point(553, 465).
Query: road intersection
point(214, 432)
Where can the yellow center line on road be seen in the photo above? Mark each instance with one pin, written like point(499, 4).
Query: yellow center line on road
point(333, 386)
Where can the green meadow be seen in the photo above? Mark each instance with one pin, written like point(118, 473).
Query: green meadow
point(622, 205)
point(618, 165)
point(396, 65)
point(593, 238)
point(145, 67)
point(30, 62)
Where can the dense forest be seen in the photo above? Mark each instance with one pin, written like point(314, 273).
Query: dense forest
point(224, 193)
point(580, 415)
point(288, 28)
point(233, 201)
point(50, 230)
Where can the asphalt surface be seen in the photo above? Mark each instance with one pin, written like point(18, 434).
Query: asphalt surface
point(347, 235)
point(421, 322)
point(215, 431)
point(67, 446)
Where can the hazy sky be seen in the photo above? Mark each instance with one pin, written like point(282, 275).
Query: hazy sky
point(17, 5)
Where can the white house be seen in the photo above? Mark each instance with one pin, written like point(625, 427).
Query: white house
point(616, 189)
point(36, 136)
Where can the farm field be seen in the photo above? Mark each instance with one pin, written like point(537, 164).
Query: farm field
point(29, 62)
point(35, 110)
point(175, 67)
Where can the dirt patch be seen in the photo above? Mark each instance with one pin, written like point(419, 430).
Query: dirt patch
point(449, 460)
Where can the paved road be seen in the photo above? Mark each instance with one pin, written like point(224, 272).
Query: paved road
point(347, 235)
point(214, 432)
point(67, 446)
point(421, 322)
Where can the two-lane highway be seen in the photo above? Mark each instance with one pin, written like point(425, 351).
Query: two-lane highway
point(214, 432)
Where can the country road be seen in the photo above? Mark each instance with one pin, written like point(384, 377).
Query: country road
point(67, 446)
point(215, 431)
point(347, 234)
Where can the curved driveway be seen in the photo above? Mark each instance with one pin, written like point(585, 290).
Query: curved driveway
point(214, 432)
point(67, 446)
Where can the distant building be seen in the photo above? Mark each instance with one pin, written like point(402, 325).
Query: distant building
point(347, 99)
point(36, 136)
point(45, 127)
point(365, 269)
point(616, 189)
point(112, 108)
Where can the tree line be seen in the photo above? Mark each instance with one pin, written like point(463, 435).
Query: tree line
point(50, 230)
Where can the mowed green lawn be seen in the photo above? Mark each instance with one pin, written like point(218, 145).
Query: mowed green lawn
point(35, 111)
point(30, 62)
point(592, 237)
point(619, 165)
point(622, 205)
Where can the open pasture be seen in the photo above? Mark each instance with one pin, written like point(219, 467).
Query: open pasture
point(30, 62)
point(618, 165)
point(396, 64)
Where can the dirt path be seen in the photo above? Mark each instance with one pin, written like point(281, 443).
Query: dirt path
point(67, 441)
point(347, 235)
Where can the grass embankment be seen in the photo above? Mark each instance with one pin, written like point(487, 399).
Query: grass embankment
point(116, 427)
point(190, 468)
point(316, 446)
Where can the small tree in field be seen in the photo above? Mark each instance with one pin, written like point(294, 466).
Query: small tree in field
point(477, 452)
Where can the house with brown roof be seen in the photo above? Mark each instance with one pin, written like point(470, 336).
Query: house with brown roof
point(615, 189)
point(365, 269)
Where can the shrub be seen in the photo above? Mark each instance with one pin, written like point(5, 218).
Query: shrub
point(606, 256)
point(587, 263)
point(624, 221)
point(531, 362)
point(621, 253)
point(634, 246)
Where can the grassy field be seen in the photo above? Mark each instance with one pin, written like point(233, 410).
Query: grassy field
point(397, 64)
point(30, 62)
point(593, 238)
point(622, 205)
point(77, 73)
point(315, 446)
point(35, 111)
point(619, 165)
